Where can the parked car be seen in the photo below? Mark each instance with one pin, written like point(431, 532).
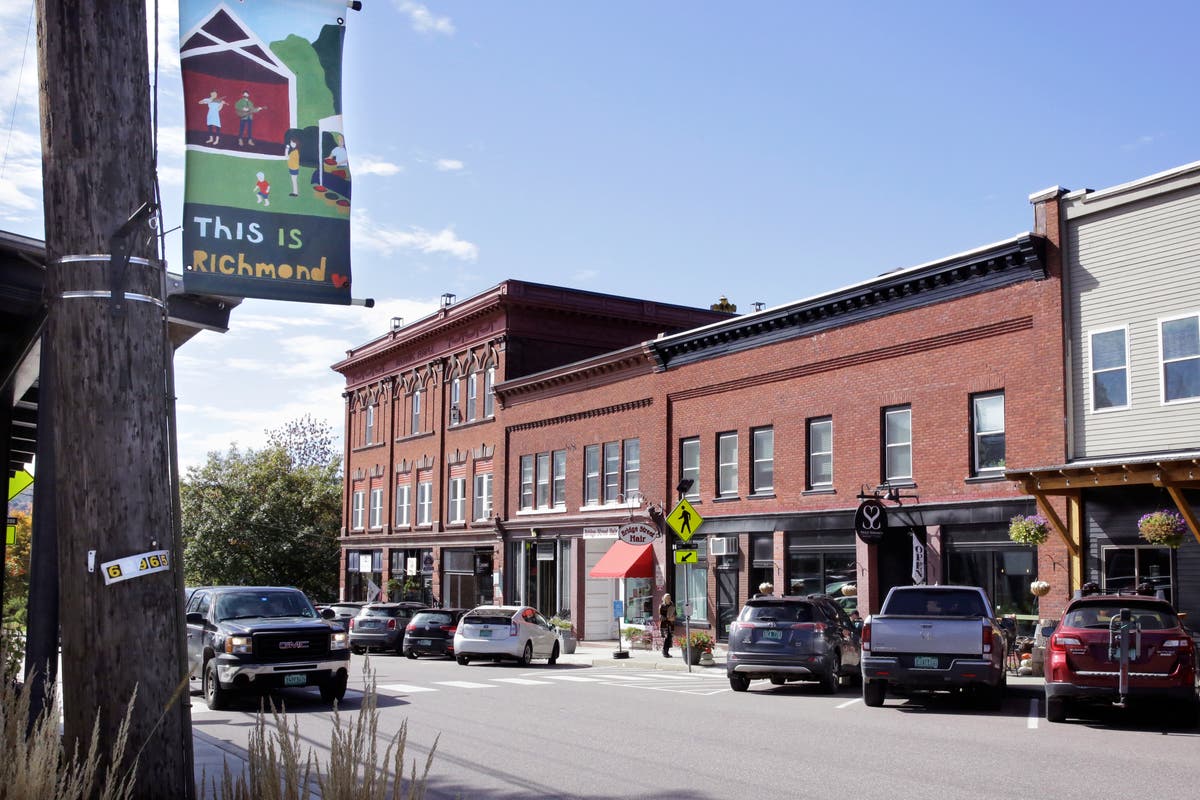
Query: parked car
point(431, 632)
point(259, 638)
point(496, 633)
point(342, 611)
point(380, 626)
point(1083, 661)
point(789, 638)
point(935, 638)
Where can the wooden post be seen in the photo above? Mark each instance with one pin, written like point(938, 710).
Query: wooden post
point(109, 418)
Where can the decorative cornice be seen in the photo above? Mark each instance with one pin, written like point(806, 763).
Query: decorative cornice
point(595, 412)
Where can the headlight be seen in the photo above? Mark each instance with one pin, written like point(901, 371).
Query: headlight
point(339, 641)
point(239, 645)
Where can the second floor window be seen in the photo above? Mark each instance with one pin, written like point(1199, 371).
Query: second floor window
point(403, 505)
point(415, 419)
point(689, 465)
point(543, 480)
point(1110, 369)
point(483, 497)
point(457, 508)
point(612, 471)
point(370, 424)
point(820, 453)
point(1180, 358)
point(897, 444)
point(727, 464)
point(526, 482)
point(425, 503)
point(456, 409)
point(489, 402)
point(472, 395)
point(987, 423)
point(558, 489)
point(377, 507)
point(591, 474)
point(763, 445)
point(632, 477)
point(356, 510)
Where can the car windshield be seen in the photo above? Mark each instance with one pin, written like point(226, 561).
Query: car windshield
point(433, 618)
point(386, 611)
point(937, 603)
point(246, 605)
point(1101, 615)
point(777, 612)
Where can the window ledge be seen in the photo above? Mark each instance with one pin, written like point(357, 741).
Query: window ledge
point(997, 478)
point(726, 499)
point(455, 526)
point(411, 436)
point(823, 490)
point(531, 512)
point(363, 447)
point(471, 424)
point(608, 507)
point(764, 496)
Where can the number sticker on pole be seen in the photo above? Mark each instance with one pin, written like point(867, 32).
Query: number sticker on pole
point(135, 566)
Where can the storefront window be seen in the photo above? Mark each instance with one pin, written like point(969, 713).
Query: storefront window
point(639, 601)
point(1004, 573)
point(691, 586)
point(1127, 567)
point(819, 572)
point(364, 574)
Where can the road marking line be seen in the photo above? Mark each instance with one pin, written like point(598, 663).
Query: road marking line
point(670, 676)
point(1034, 715)
point(406, 688)
point(626, 678)
point(466, 685)
point(849, 703)
point(574, 678)
point(522, 681)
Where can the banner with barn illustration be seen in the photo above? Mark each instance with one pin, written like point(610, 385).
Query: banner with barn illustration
point(268, 183)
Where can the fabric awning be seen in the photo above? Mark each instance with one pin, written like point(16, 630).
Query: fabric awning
point(624, 560)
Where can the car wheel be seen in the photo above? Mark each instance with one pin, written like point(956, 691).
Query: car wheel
point(775, 680)
point(358, 651)
point(463, 660)
point(831, 681)
point(554, 655)
point(873, 692)
point(216, 697)
point(740, 683)
point(1056, 709)
point(411, 653)
point(334, 689)
point(527, 655)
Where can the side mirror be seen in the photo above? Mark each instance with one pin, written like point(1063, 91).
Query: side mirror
point(194, 618)
point(328, 613)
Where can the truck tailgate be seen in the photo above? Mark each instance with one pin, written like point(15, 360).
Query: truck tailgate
point(943, 635)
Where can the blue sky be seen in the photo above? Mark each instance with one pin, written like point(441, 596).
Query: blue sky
point(680, 151)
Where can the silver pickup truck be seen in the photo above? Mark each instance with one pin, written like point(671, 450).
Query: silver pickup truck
point(934, 638)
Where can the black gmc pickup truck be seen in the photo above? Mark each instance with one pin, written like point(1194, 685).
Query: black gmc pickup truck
point(259, 638)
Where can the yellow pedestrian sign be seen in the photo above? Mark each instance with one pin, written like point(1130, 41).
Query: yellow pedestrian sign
point(687, 556)
point(684, 520)
point(16, 484)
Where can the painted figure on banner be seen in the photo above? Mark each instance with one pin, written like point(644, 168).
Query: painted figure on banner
point(277, 67)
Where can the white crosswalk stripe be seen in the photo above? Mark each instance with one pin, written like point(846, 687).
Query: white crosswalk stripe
point(466, 685)
point(522, 682)
point(405, 688)
point(574, 678)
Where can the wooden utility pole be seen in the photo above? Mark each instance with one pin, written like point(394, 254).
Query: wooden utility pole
point(110, 416)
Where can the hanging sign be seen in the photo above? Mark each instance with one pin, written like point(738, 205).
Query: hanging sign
point(870, 521)
point(267, 186)
point(637, 533)
point(918, 560)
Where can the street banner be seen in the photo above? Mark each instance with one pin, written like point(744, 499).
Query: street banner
point(267, 192)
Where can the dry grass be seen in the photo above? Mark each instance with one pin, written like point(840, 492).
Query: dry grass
point(280, 768)
point(35, 763)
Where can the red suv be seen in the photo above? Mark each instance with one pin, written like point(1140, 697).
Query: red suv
point(1118, 650)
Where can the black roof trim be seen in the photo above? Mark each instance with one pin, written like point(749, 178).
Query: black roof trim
point(1011, 261)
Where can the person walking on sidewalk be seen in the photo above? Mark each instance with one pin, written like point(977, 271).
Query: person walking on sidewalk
point(666, 623)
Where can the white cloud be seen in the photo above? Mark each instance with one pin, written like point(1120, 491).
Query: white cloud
point(387, 240)
point(423, 20)
point(449, 164)
point(1142, 141)
point(366, 165)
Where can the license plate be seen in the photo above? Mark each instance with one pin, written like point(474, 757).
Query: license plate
point(424, 642)
point(774, 635)
point(486, 633)
point(925, 662)
point(295, 680)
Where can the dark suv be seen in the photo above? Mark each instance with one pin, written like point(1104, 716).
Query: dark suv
point(259, 638)
point(792, 638)
point(1097, 633)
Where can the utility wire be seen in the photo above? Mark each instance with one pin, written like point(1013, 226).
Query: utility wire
point(17, 95)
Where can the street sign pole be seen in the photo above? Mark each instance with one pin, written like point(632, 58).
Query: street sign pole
point(687, 607)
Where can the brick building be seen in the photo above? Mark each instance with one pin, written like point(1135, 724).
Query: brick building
point(425, 445)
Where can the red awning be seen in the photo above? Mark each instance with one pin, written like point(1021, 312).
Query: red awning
point(624, 560)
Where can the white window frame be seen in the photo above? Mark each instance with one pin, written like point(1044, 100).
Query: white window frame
point(455, 397)
point(978, 433)
point(489, 400)
point(610, 466)
point(1092, 372)
point(376, 518)
point(415, 419)
point(767, 462)
point(483, 496)
point(357, 503)
point(526, 477)
point(403, 505)
point(727, 465)
point(814, 453)
point(1162, 360)
point(690, 471)
point(592, 483)
point(472, 396)
point(631, 466)
point(542, 481)
point(456, 505)
point(370, 425)
point(558, 478)
point(425, 503)
point(888, 415)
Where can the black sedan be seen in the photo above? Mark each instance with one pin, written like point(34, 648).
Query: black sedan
point(431, 632)
point(380, 626)
point(786, 638)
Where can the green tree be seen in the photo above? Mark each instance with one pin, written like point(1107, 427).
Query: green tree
point(16, 570)
point(267, 517)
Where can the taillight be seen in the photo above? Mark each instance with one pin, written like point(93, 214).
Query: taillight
point(410, 627)
point(1061, 642)
point(818, 627)
point(350, 625)
point(391, 624)
point(512, 629)
point(734, 627)
point(865, 638)
point(987, 639)
point(447, 628)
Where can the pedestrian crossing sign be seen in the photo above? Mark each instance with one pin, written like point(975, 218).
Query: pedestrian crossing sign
point(684, 520)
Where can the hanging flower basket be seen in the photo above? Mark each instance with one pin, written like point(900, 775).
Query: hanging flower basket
point(1039, 588)
point(1034, 529)
point(1162, 527)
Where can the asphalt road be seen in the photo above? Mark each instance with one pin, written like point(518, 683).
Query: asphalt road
point(505, 731)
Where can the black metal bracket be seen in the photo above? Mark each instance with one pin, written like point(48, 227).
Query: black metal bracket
point(118, 248)
point(885, 491)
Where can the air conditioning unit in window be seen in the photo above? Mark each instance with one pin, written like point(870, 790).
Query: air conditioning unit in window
point(724, 546)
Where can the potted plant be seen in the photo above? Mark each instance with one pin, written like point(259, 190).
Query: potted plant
point(1033, 529)
point(566, 634)
point(695, 643)
point(1162, 527)
point(639, 638)
point(1039, 588)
